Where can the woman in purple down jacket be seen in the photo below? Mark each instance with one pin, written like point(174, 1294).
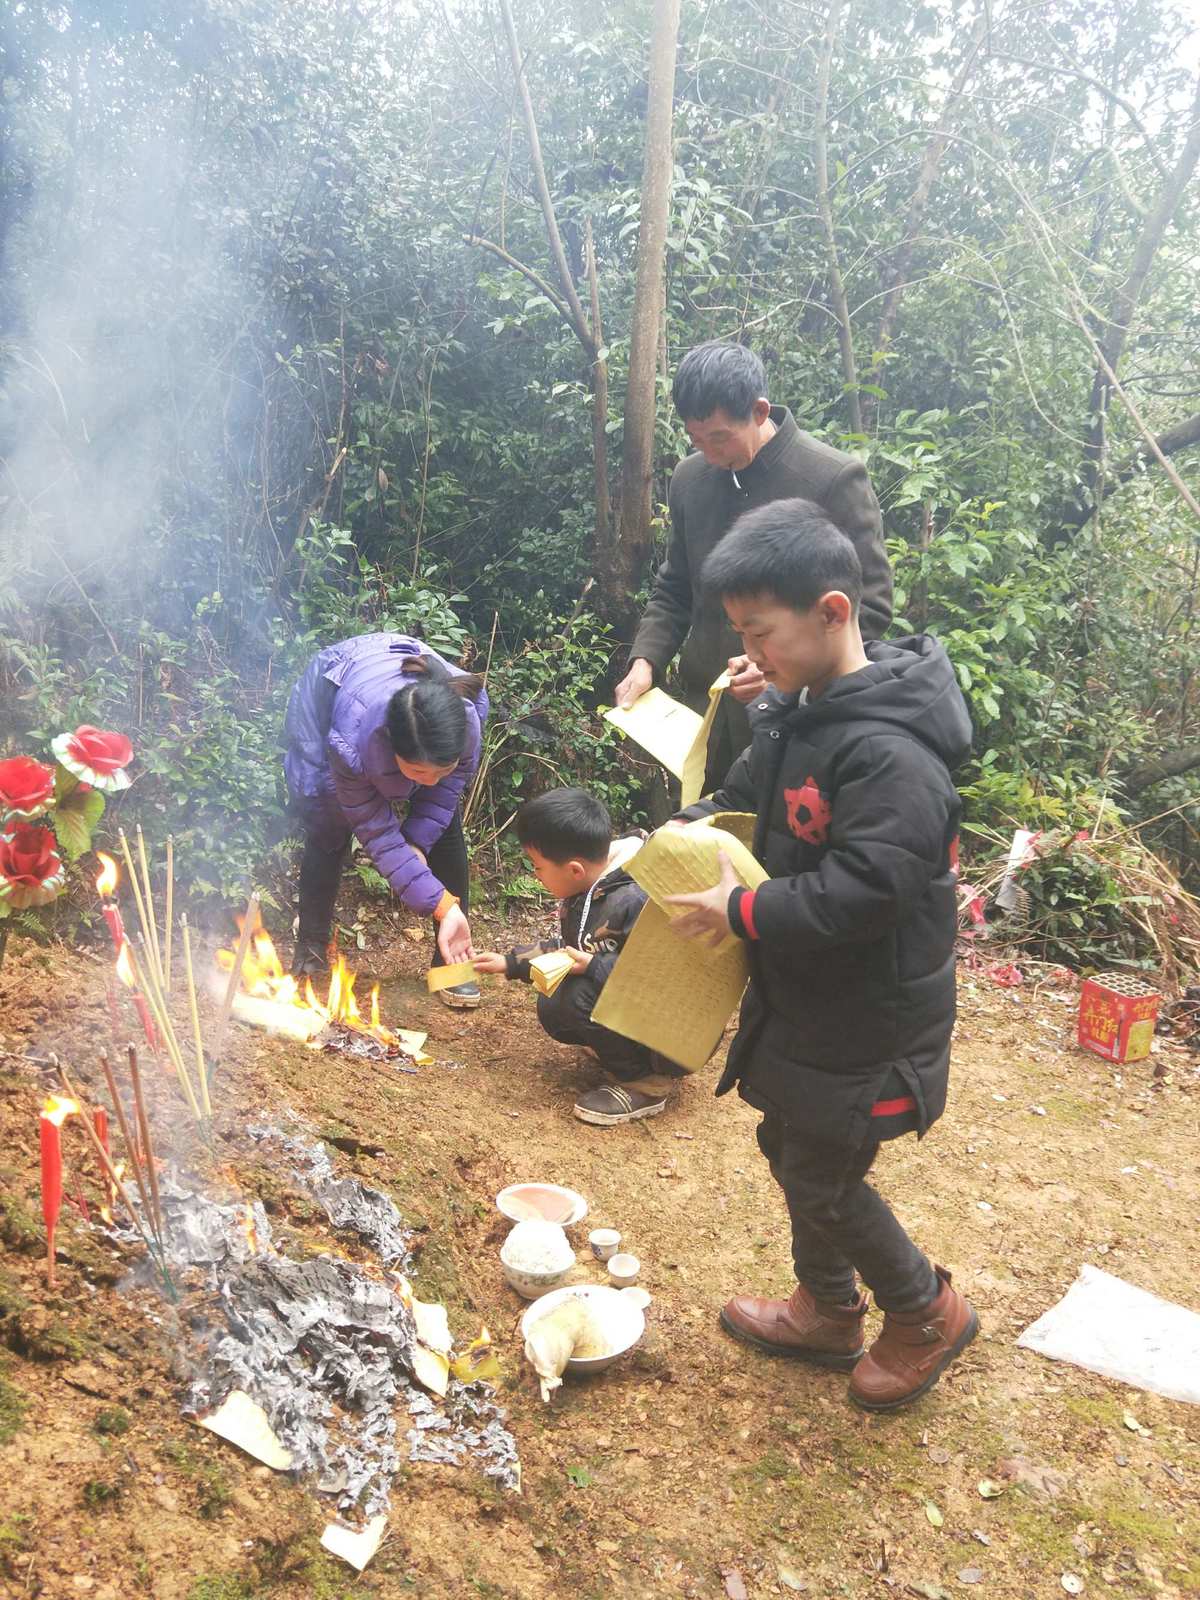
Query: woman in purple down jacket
point(374, 721)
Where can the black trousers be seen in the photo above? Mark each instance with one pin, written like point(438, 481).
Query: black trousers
point(321, 875)
point(839, 1222)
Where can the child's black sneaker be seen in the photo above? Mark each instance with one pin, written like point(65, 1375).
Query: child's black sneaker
point(611, 1104)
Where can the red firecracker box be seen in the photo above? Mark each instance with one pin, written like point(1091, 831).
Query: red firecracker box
point(1117, 1013)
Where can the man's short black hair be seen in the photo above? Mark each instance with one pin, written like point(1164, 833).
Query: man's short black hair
point(789, 550)
point(566, 823)
point(718, 374)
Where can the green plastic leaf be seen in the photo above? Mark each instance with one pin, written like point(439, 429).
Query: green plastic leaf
point(75, 821)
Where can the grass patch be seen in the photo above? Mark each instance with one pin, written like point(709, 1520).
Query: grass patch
point(221, 1586)
point(12, 1410)
point(99, 1494)
point(113, 1420)
point(19, 1228)
point(215, 1493)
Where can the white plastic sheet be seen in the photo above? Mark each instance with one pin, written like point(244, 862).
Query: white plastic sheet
point(1108, 1326)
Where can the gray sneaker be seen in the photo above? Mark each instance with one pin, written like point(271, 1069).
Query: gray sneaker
point(611, 1104)
point(463, 996)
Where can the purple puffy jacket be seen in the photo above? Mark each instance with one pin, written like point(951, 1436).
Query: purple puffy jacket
point(341, 771)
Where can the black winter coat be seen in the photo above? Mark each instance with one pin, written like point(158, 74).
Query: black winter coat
point(598, 922)
point(851, 940)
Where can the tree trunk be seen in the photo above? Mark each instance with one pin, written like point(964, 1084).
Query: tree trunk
point(1178, 438)
point(1128, 297)
point(918, 205)
point(837, 288)
point(622, 572)
point(1172, 766)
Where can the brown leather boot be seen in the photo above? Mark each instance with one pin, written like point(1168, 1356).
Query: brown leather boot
point(913, 1350)
point(810, 1330)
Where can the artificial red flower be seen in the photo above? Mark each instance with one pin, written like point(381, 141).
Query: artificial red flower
point(97, 757)
point(31, 872)
point(26, 786)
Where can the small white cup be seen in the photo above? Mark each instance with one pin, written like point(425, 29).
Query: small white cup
point(623, 1269)
point(604, 1242)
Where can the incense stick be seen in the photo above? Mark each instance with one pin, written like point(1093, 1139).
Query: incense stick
point(133, 881)
point(144, 1132)
point(112, 1173)
point(249, 924)
point(153, 935)
point(191, 985)
point(166, 1027)
point(130, 1146)
point(170, 913)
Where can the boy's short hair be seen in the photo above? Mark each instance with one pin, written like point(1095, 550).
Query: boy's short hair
point(789, 550)
point(563, 823)
point(718, 374)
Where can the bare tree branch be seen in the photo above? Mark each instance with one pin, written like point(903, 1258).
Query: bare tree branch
point(1174, 765)
point(1169, 443)
point(837, 287)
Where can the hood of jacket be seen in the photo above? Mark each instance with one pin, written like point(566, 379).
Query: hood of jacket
point(909, 682)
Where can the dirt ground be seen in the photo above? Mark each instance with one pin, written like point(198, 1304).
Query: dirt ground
point(694, 1467)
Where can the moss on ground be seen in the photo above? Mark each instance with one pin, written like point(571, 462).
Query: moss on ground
point(12, 1410)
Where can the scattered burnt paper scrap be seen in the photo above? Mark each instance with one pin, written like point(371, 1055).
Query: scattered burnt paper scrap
point(347, 1202)
point(328, 1349)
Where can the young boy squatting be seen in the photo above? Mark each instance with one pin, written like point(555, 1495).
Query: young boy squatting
point(567, 835)
point(844, 1035)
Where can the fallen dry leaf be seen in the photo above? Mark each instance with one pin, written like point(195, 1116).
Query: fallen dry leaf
point(735, 1587)
point(936, 1518)
point(791, 1580)
point(1134, 1426)
point(970, 1575)
point(1044, 1481)
point(989, 1489)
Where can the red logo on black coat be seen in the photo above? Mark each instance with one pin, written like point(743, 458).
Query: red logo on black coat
point(808, 812)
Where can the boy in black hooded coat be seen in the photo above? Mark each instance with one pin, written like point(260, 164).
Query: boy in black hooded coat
point(844, 1038)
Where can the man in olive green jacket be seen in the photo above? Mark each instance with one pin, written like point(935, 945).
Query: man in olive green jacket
point(747, 453)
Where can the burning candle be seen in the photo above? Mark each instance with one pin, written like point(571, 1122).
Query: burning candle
point(106, 886)
point(125, 973)
point(54, 1113)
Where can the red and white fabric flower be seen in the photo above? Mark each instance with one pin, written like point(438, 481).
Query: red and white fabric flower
point(26, 786)
point(31, 871)
point(94, 756)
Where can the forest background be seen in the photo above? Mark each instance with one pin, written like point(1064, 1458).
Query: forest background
point(285, 355)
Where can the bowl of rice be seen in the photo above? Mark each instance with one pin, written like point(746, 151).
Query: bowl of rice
point(536, 1257)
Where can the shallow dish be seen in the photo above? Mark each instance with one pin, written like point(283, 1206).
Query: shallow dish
point(547, 1202)
point(623, 1322)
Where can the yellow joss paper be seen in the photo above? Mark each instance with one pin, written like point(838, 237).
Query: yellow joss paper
point(672, 733)
point(672, 994)
point(548, 971)
point(450, 977)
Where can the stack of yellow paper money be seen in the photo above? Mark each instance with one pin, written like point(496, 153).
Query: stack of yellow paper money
point(548, 971)
point(673, 994)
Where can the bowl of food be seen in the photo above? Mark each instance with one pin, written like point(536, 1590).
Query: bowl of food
point(541, 1202)
point(536, 1257)
point(619, 1322)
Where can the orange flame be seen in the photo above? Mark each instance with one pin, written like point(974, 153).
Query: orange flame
point(125, 968)
point(58, 1108)
point(263, 977)
point(250, 1230)
point(108, 877)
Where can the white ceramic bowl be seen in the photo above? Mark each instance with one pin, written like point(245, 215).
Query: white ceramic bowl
point(530, 1283)
point(550, 1202)
point(623, 1322)
point(623, 1269)
point(605, 1242)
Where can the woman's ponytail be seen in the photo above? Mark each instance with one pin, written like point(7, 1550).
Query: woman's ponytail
point(426, 720)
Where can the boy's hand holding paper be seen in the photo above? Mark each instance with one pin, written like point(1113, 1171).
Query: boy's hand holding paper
point(706, 914)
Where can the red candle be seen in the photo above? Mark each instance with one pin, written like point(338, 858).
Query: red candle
point(111, 913)
point(54, 1113)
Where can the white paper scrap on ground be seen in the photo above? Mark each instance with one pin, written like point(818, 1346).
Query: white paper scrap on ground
point(1111, 1327)
point(243, 1422)
point(356, 1546)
